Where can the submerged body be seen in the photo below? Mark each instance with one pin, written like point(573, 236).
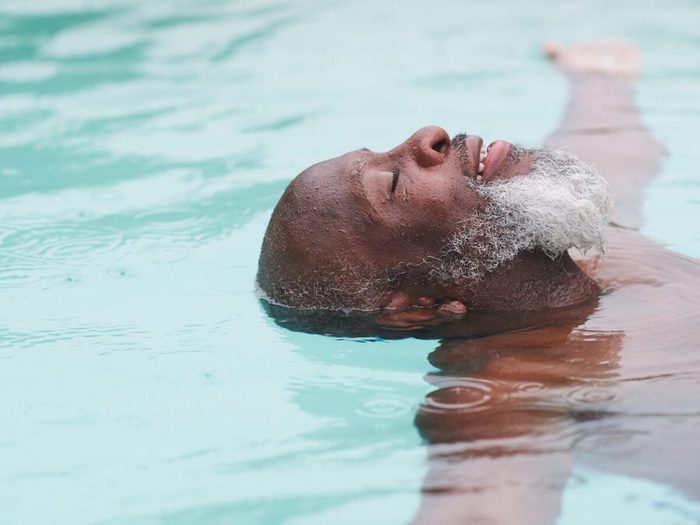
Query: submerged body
point(543, 360)
point(612, 384)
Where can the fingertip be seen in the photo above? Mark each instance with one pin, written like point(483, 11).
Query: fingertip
point(551, 49)
point(453, 310)
point(425, 301)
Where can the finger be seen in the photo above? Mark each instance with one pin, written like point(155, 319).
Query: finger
point(552, 49)
point(400, 301)
point(408, 320)
point(452, 311)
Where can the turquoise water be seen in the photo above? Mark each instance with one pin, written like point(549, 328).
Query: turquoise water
point(142, 147)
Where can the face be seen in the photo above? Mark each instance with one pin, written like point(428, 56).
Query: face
point(364, 211)
point(401, 205)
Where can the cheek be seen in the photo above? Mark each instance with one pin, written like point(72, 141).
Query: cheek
point(449, 201)
point(429, 217)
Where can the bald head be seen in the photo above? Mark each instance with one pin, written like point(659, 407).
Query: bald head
point(313, 253)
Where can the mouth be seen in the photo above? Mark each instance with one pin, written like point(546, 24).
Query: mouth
point(481, 163)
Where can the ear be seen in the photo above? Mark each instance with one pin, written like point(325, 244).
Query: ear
point(411, 312)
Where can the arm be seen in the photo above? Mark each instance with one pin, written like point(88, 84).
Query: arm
point(602, 123)
point(505, 398)
point(516, 393)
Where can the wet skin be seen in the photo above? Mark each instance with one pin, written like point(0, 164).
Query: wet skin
point(546, 363)
point(611, 384)
point(371, 211)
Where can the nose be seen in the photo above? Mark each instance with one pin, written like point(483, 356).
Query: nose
point(428, 146)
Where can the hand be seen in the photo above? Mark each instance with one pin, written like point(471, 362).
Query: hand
point(604, 57)
point(409, 312)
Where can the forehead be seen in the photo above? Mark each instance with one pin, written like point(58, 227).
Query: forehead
point(330, 182)
point(336, 168)
point(328, 189)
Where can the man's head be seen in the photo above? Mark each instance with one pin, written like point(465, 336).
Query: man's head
point(425, 221)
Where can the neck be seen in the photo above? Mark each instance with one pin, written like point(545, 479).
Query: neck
point(532, 281)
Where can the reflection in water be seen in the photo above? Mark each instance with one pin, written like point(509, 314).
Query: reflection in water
point(511, 413)
point(142, 146)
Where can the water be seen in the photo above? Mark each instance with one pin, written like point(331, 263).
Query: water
point(142, 147)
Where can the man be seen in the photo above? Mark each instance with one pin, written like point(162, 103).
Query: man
point(541, 355)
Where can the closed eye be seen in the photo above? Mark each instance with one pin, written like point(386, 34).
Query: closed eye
point(395, 180)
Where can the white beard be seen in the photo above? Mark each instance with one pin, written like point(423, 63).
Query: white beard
point(562, 203)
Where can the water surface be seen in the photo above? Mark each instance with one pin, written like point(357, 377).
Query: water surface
point(142, 147)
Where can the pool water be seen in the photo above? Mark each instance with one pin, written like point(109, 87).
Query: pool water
point(142, 148)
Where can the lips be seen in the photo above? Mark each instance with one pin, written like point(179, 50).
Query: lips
point(483, 164)
point(474, 144)
point(496, 154)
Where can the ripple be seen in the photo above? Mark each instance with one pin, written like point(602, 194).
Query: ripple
point(59, 243)
point(531, 386)
point(112, 337)
point(28, 253)
point(589, 396)
point(470, 396)
point(15, 276)
point(612, 441)
point(384, 407)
